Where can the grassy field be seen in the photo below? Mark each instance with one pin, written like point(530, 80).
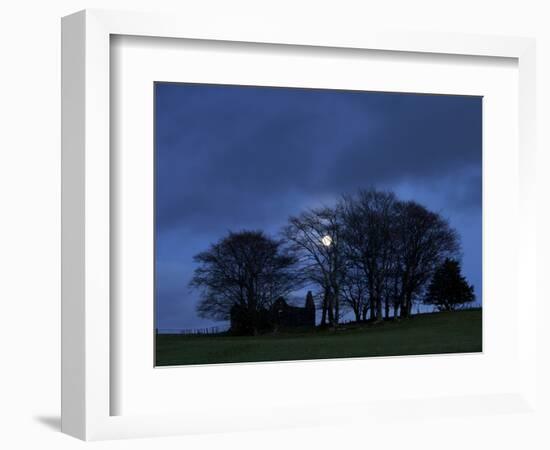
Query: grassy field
point(447, 332)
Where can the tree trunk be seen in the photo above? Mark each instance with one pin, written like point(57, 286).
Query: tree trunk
point(395, 310)
point(324, 312)
point(336, 300)
point(372, 308)
point(409, 306)
point(379, 316)
point(330, 310)
point(252, 311)
point(357, 313)
point(404, 307)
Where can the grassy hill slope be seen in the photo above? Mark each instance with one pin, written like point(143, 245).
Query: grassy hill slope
point(446, 332)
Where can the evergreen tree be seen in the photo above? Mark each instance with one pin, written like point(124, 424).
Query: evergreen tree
point(448, 289)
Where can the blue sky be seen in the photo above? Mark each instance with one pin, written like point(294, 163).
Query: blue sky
point(246, 157)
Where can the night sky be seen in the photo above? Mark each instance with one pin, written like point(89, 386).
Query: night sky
point(245, 157)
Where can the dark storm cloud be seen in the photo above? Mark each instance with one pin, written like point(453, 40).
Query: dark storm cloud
point(423, 137)
point(233, 157)
point(216, 143)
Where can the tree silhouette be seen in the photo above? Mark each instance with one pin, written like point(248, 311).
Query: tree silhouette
point(315, 238)
point(448, 289)
point(355, 292)
point(370, 230)
point(367, 254)
point(396, 245)
point(423, 241)
point(248, 269)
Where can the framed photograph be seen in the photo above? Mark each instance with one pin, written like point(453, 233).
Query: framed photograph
point(257, 219)
point(300, 223)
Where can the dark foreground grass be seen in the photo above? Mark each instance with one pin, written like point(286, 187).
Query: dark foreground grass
point(446, 332)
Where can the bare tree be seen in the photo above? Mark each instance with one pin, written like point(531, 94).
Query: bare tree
point(369, 233)
point(355, 292)
point(397, 246)
point(423, 241)
point(369, 253)
point(315, 237)
point(247, 269)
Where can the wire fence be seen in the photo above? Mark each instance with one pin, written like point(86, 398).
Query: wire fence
point(203, 331)
point(192, 331)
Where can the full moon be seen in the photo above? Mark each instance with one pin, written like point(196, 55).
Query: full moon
point(327, 240)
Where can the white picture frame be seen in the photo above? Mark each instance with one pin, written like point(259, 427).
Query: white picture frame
point(87, 386)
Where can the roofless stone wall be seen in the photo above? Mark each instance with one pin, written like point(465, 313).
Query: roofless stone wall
point(280, 316)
